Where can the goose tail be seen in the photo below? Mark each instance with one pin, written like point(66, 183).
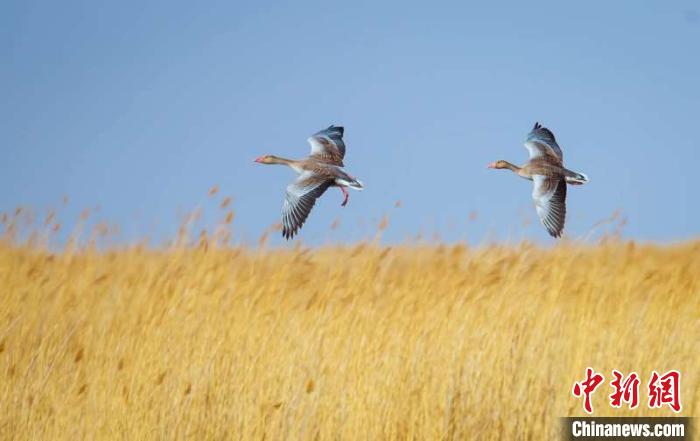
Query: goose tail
point(355, 184)
point(575, 178)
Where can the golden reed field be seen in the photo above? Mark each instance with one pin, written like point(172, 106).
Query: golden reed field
point(359, 342)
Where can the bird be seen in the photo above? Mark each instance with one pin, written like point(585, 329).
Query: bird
point(549, 176)
point(322, 169)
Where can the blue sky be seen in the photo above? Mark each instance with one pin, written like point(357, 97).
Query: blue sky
point(141, 108)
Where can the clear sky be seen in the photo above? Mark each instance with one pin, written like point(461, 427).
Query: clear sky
point(140, 108)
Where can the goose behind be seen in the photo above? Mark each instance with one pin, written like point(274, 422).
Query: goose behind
point(550, 178)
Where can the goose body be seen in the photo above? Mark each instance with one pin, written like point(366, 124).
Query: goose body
point(549, 176)
point(322, 169)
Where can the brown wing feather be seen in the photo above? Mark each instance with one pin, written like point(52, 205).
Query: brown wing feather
point(329, 153)
point(328, 146)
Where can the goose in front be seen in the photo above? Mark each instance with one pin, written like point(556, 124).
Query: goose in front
point(317, 172)
point(546, 170)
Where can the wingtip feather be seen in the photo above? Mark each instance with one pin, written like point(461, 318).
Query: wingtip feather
point(341, 129)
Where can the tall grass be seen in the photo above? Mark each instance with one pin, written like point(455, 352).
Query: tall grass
point(362, 342)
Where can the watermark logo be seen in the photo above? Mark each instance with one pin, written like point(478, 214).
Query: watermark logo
point(626, 390)
point(626, 428)
point(663, 389)
point(586, 388)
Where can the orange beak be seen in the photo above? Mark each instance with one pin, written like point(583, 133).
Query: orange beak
point(259, 159)
point(492, 165)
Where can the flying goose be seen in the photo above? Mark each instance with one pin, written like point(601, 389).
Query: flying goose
point(317, 172)
point(546, 169)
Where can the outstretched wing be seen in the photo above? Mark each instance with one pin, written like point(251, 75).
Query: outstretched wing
point(328, 146)
point(540, 141)
point(549, 195)
point(301, 197)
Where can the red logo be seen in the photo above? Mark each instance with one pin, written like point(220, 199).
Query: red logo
point(625, 391)
point(665, 389)
point(587, 387)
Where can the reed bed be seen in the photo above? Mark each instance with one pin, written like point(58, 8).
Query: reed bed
point(359, 342)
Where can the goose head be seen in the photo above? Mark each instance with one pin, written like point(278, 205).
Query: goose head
point(500, 164)
point(266, 159)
